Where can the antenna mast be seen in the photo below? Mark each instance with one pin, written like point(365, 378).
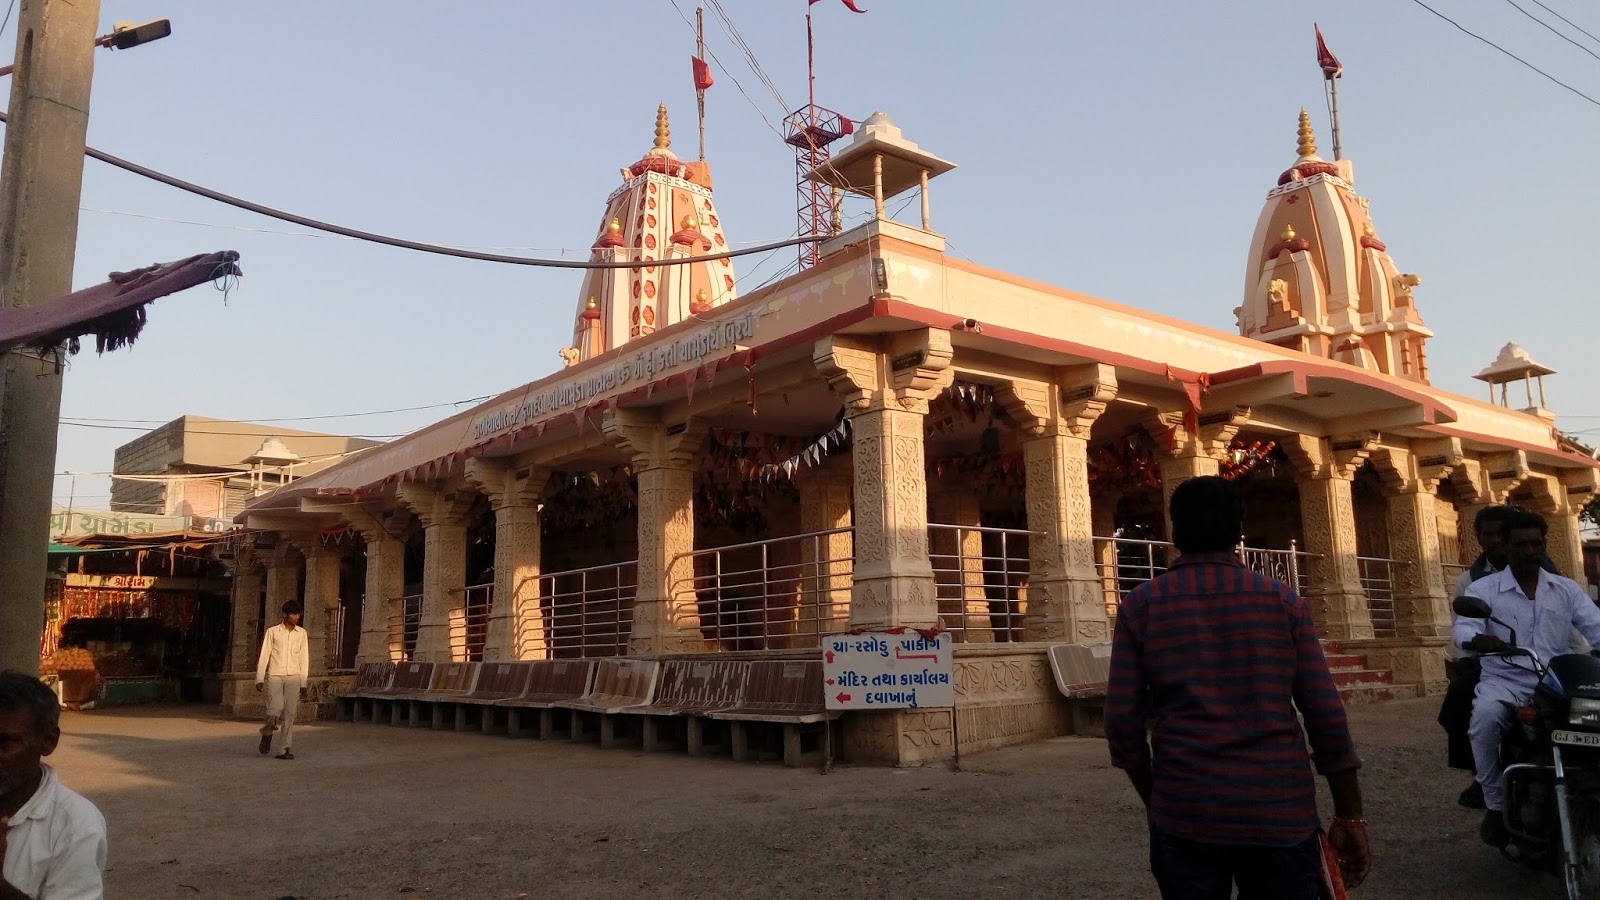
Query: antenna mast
point(810, 130)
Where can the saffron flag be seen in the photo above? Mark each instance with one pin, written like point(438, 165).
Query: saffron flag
point(1325, 58)
point(849, 3)
point(702, 73)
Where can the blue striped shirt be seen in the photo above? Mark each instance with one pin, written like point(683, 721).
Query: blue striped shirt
point(1220, 658)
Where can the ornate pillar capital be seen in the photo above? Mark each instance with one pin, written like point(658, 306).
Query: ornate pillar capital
point(507, 485)
point(378, 524)
point(905, 369)
point(1505, 472)
point(1338, 456)
point(651, 443)
point(1068, 404)
point(1213, 435)
point(434, 504)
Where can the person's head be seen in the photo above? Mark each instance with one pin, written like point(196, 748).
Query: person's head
point(292, 610)
point(1524, 536)
point(1489, 526)
point(1207, 515)
point(30, 727)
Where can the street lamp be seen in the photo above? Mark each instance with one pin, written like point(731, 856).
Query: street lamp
point(123, 36)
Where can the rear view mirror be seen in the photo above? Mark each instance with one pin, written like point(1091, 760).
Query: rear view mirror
point(1471, 607)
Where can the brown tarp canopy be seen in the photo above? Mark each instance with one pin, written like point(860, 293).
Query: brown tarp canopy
point(114, 311)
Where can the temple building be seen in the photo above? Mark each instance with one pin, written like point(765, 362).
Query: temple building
point(896, 437)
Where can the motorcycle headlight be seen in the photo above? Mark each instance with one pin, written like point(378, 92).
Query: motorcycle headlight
point(1584, 711)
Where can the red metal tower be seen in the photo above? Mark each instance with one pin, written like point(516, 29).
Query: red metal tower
point(810, 130)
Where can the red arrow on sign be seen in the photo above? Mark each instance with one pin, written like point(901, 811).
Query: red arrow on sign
point(830, 681)
point(843, 697)
point(829, 656)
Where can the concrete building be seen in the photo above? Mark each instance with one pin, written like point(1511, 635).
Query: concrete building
point(899, 438)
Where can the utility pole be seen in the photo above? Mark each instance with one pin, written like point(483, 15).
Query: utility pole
point(41, 181)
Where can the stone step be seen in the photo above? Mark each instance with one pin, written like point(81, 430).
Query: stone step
point(1361, 694)
point(1351, 677)
point(1345, 660)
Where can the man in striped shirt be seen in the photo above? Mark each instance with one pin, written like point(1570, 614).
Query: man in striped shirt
point(1221, 658)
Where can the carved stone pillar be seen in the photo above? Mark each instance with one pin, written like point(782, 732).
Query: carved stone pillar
point(1104, 517)
point(1187, 454)
point(382, 635)
point(442, 630)
point(666, 616)
point(1411, 484)
point(1327, 516)
point(959, 562)
point(516, 619)
point(283, 585)
point(1578, 488)
point(886, 384)
point(322, 605)
point(1473, 490)
point(248, 583)
point(825, 559)
point(1065, 601)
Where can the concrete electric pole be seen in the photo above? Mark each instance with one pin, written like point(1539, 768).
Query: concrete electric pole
point(41, 180)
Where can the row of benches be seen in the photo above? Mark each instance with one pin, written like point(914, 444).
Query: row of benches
point(655, 703)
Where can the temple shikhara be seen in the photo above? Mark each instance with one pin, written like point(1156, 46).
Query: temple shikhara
point(711, 479)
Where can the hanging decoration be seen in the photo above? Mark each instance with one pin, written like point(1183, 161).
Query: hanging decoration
point(1246, 458)
point(747, 456)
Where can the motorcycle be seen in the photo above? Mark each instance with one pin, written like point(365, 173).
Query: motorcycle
point(1551, 755)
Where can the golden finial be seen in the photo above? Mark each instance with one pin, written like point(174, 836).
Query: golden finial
point(1308, 141)
point(663, 134)
point(591, 304)
point(615, 227)
point(1288, 233)
point(1368, 230)
point(701, 296)
point(689, 222)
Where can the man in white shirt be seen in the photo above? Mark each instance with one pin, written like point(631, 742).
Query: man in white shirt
point(52, 840)
point(281, 671)
point(1544, 608)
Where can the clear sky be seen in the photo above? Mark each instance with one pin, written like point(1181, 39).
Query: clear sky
point(1118, 149)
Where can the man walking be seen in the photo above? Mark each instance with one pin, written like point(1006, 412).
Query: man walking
point(52, 841)
point(1222, 658)
point(282, 670)
point(1544, 608)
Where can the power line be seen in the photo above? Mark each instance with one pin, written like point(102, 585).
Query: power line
point(724, 69)
point(368, 437)
point(403, 244)
point(1519, 59)
point(254, 421)
point(1550, 28)
point(1565, 19)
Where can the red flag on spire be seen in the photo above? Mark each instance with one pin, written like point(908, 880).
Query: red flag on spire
point(1325, 58)
point(702, 73)
point(848, 3)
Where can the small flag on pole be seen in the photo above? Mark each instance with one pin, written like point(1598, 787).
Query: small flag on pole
point(702, 73)
point(851, 4)
point(1331, 68)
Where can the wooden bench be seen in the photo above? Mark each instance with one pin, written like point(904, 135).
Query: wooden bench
point(550, 682)
point(1081, 672)
point(686, 690)
point(497, 681)
point(372, 680)
point(451, 680)
point(619, 684)
point(788, 694)
point(411, 680)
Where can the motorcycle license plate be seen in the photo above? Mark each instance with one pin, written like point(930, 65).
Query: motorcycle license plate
point(1576, 738)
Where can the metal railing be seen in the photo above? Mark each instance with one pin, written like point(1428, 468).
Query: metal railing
point(1377, 582)
point(579, 613)
point(477, 603)
point(339, 654)
point(774, 594)
point(1126, 563)
point(980, 578)
point(405, 618)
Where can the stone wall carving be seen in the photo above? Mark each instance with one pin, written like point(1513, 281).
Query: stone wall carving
point(442, 626)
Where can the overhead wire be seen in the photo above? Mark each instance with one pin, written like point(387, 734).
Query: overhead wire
point(734, 80)
point(419, 246)
point(1566, 20)
point(258, 421)
point(732, 31)
point(1479, 37)
point(1551, 28)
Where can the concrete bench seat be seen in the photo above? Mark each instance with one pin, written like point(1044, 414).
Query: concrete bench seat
point(689, 690)
point(787, 694)
point(1081, 673)
point(550, 682)
point(372, 680)
point(451, 681)
point(619, 684)
point(497, 681)
point(411, 679)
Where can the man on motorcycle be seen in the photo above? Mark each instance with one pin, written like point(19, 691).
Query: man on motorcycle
point(1543, 608)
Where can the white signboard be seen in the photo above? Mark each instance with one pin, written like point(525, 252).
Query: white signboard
point(878, 670)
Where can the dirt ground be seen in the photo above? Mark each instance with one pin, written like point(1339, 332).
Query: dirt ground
point(369, 811)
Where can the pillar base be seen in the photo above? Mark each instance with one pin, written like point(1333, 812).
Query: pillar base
point(1418, 661)
point(1341, 616)
point(1067, 610)
point(240, 699)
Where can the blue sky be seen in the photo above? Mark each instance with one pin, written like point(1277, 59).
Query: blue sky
point(1118, 149)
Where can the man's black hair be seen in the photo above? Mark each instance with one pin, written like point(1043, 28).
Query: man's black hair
point(1207, 515)
point(1520, 519)
point(1495, 515)
point(293, 606)
point(19, 691)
